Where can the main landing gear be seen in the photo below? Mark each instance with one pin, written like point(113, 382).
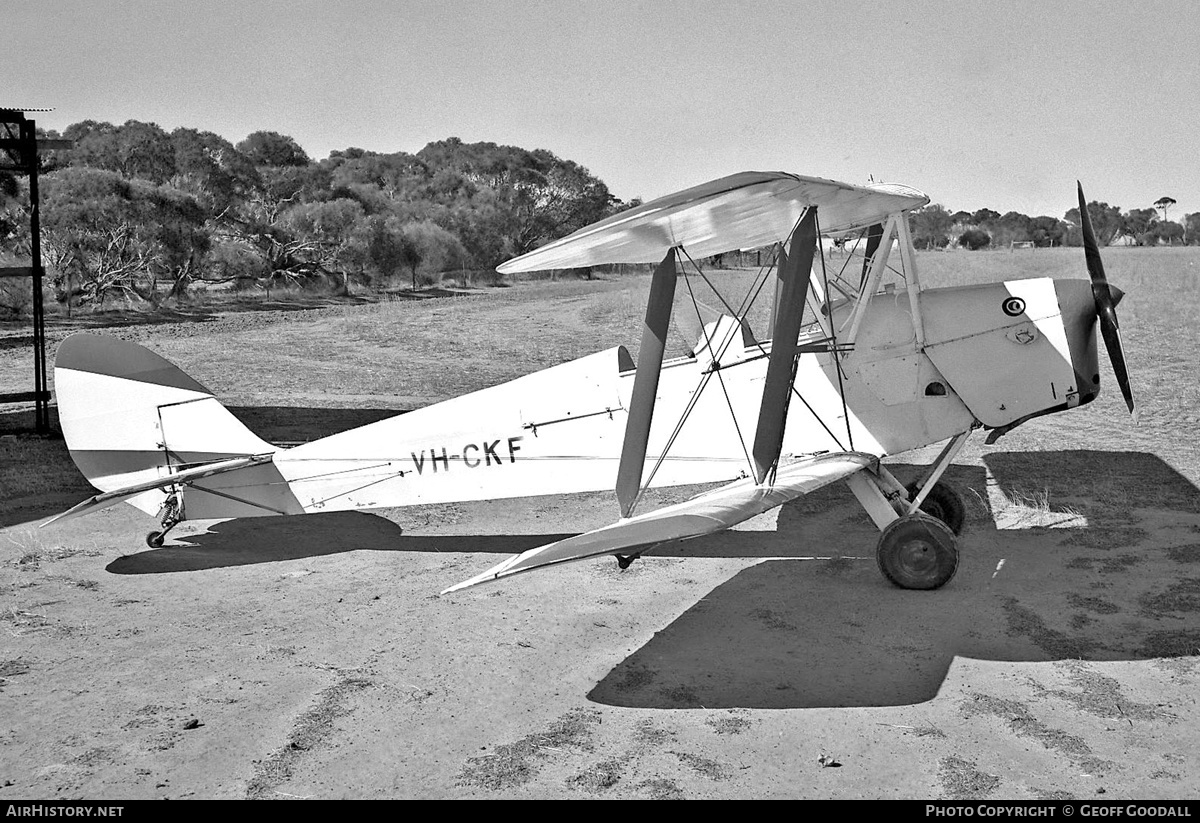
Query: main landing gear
point(919, 523)
point(170, 516)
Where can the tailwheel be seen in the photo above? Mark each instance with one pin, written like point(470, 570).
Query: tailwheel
point(170, 516)
point(917, 552)
point(943, 503)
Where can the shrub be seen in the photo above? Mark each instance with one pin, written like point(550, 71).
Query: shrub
point(974, 239)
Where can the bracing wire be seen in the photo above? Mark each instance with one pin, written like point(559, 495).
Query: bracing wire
point(833, 356)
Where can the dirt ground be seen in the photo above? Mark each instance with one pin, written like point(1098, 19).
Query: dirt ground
point(312, 657)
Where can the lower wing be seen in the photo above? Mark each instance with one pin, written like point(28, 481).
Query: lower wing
point(707, 513)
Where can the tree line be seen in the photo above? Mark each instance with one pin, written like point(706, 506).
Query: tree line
point(137, 212)
point(936, 227)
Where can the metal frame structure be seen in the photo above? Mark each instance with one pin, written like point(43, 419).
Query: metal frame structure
point(20, 145)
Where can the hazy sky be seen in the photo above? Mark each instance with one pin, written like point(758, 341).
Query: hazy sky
point(1002, 105)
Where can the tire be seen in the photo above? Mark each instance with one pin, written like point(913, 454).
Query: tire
point(943, 503)
point(154, 540)
point(917, 552)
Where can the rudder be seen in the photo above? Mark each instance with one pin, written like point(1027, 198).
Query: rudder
point(130, 416)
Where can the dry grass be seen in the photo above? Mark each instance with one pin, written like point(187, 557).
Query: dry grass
point(514, 764)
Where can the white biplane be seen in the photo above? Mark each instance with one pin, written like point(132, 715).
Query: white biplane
point(859, 364)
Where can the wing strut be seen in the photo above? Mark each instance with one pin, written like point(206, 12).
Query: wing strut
point(874, 239)
point(794, 270)
point(645, 383)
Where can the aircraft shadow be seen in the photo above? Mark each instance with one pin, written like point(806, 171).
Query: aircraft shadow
point(1111, 583)
point(249, 541)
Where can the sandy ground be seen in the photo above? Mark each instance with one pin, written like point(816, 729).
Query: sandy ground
point(312, 657)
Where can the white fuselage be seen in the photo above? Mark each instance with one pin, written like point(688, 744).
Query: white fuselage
point(560, 430)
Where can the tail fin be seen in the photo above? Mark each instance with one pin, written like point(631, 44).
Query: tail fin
point(130, 417)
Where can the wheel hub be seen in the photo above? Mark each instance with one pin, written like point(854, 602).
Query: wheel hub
point(917, 557)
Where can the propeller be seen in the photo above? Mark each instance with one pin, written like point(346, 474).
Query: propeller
point(1107, 298)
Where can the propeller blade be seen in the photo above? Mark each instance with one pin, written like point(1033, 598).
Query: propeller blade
point(1106, 303)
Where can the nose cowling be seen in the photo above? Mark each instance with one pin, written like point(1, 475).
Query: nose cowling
point(1079, 322)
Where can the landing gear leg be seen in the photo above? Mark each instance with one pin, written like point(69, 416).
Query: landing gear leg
point(943, 503)
point(170, 516)
point(915, 549)
point(938, 499)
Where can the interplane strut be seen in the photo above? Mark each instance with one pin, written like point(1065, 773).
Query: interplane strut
point(793, 273)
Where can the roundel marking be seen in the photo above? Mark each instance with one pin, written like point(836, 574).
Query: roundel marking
point(1013, 306)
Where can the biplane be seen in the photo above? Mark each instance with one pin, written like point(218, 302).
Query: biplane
point(858, 362)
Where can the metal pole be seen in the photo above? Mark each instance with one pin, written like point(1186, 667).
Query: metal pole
point(29, 153)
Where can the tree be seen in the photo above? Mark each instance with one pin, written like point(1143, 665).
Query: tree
point(1139, 224)
point(974, 239)
point(1191, 228)
point(112, 235)
point(1013, 227)
point(384, 252)
point(268, 148)
point(1107, 223)
point(322, 234)
point(428, 246)
point(1164, 203)
point(398, 177)
point(930, 226)
point(505, 200)
point(136, 149)
point(1165, 231)
point(985, 217)
point(12, 210)
point(410, 254)
point(1047, 231)
point(182, 236)
point(208, 166)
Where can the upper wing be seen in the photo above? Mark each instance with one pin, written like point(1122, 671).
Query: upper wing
point(742, 211)
point(711, 512)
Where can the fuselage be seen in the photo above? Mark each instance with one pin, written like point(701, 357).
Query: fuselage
point(993, 354)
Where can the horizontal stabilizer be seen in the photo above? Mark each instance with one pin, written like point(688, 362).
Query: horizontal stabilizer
point(183, 478)
point(707, 513)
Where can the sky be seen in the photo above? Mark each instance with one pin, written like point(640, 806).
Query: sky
point(1001, 105)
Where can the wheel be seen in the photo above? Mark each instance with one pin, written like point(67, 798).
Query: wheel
point(917, 552)
point(154, 540)
point(944, 503)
